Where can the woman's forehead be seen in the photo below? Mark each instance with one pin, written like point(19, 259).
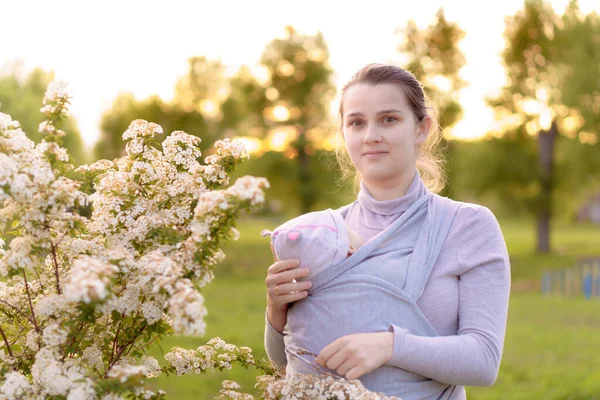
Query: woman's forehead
point(372, 99)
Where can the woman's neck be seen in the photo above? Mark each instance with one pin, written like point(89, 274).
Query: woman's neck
point(386, 190)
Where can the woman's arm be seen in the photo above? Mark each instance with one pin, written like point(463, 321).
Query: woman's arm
point(282, 289)
point(274, 344)
point(472, 357)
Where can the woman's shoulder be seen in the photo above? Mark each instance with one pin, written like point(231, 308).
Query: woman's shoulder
point(470, 213)
point(475, 231)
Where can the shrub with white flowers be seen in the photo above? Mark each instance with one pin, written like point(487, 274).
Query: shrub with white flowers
point(83, 298)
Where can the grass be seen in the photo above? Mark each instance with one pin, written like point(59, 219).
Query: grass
point(569, 243)
point(551, 347)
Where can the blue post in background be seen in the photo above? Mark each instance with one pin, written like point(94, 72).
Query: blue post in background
point(546, 283)
point(587, 284)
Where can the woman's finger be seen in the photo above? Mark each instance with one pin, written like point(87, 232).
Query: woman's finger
point(346, 366)
point(283, 265)
point(354, 373)
point(273, 252)
point(291, 297)
point(286, 277)
point(336, 360)
point(327, 352)
point(287, 288)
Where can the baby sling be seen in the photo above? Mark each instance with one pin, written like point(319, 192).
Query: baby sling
point(377, 286)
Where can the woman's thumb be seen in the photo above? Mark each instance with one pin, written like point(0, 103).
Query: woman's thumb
point(273, 252)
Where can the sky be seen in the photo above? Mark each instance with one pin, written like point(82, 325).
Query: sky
point(104, 48)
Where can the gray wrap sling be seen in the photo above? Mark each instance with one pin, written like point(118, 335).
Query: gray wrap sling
point(375, 287)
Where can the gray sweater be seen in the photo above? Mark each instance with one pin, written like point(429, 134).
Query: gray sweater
point(465, 298)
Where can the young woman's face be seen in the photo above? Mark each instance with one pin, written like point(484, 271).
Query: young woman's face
point(381, 132)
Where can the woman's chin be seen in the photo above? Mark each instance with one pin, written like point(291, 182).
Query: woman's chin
point(377, 174)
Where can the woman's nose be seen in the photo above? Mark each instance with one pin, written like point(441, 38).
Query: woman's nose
point(372, 135)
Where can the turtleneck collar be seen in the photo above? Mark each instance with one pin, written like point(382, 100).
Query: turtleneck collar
point(415, 190)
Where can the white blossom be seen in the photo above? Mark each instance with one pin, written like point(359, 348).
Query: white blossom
point(32, 340)
point(141, 254)
point(56, 90)
point(51, 374)
point(93, 356)
point(51, 305)
point(16, 386)
point(152, 367)
point(124, 371)
point(88, 280)
point(186, 308)
point(227, 148)
point(141, 128)
point(53, 335)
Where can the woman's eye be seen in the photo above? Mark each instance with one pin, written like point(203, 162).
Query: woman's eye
point(389, 120)
point(356, 123)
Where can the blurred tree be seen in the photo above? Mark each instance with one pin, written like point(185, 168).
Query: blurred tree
point(201, 86)
point(298, 94)
point(285, 103)
point(126, 108)
point(548, 92)
point(21, 96)
point(433, 56)
point(286, 109)
point(195, 109)
point(243, 109)
point(203, 89)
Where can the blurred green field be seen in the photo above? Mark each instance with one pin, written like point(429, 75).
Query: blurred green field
point(552, 344)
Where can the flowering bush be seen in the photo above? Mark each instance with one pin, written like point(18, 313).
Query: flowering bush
point(83, 297)
point(272, 385)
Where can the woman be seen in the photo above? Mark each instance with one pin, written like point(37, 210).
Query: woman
point(420, 310)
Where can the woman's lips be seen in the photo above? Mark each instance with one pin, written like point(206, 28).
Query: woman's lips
point(375, 155)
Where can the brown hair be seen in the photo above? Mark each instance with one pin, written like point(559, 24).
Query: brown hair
point(429, 162)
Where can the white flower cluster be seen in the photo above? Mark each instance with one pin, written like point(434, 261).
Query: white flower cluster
point(308, 387)
point(124, 371)
point(181, 149)
point(229, 391)
point(187, 310)
point(88, 280)
point(57, 378)
point(57, 90)
point(227, 148)
point(82, 298)
point(142, 129)
point(215, 354)
point(55, 100)
point(16, 386)
point(148, 394)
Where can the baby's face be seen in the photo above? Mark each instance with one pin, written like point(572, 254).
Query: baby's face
point(355, 241)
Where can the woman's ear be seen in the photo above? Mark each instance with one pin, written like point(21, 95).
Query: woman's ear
point(424, 127)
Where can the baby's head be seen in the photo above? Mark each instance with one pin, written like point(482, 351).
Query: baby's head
point(355, 241)
point(318, 239)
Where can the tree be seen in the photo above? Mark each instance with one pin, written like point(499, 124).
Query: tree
point(20, 97)
point(243, 109)
point(126, 108)
point(547, 94)
point(195, 109)
point(301, 90)
point(203, 89)
point(287, 110)
point(435, 59)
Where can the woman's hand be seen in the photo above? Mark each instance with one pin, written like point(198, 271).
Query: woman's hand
point(282, 290)
point(352, 356)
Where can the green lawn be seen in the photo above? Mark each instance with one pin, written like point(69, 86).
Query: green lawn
point(552, 344)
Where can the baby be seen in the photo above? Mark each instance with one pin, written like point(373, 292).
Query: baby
point(319, 240)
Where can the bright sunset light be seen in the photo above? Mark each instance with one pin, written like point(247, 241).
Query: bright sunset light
point(146, 54)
